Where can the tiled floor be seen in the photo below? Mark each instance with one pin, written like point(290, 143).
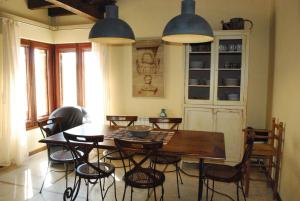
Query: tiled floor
point(23, 183)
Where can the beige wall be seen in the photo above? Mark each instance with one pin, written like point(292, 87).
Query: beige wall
point(124, 103)
point(72, 34)
point(70, 20)
point(148, 20)
point(286, 94)
point(36, 33)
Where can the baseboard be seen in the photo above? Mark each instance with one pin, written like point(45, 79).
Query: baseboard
point(37, 150)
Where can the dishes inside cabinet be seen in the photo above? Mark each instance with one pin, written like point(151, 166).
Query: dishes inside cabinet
point(193, 81)
point(197, 64)
point(201, 47)
point(233, 97)
point(231, 82)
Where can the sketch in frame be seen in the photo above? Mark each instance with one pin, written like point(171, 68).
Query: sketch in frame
point(148, 77)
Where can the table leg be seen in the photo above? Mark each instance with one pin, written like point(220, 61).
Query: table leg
point(201, 178)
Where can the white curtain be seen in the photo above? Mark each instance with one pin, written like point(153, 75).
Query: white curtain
point(97, 84)
point(13, 142)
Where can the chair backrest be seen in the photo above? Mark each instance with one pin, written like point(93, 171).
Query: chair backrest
point(278, 136)
point(148, 149)
point(115, 119)
point(46, 130)
point(47, 125)
point(72, 117)
point(80, 147)
point(173, 121)
point(269, 136)
point(249, 146)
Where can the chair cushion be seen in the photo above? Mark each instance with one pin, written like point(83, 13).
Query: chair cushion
point(62, 156)
point(165, 159)
point(262, 150)
point(86, 171)
point(223, 173)
point(144, 178)
point(115, 155)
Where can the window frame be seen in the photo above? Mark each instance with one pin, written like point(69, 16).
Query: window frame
point(29, 46)
point(54, 96)
point(79, 49)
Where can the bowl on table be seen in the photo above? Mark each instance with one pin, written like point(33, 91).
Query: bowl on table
point(139, 130)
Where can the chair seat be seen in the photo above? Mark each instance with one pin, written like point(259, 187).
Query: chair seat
point(62, 156)
point(165, 159)
point(222, 173)
point(86, 171)
point(144, 178)
point(114, 154)
point(263, 150)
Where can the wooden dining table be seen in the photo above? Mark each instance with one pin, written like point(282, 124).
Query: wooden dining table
point(199, 144)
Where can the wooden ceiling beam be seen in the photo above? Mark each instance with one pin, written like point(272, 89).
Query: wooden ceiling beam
point(80, 8)
point(37, 4)
point(54, 12)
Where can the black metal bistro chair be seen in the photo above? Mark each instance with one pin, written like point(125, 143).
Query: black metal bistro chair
point(141, 175)
point(89, 170)
point(61, 119)
point(56, 153)
point(229, 174)
point(117, 121)
point(166, 159)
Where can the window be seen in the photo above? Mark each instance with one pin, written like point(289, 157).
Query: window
point(36, 57)
point(51, 86)
point(68, 78)
point(41, 86)
point(70, 67)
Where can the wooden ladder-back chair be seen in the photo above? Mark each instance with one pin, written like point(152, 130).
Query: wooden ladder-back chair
point(166, 159)
point(118, 121)
point(268, 155)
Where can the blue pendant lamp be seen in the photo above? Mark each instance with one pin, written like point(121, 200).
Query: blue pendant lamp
point(188, 27)
point(112, 30)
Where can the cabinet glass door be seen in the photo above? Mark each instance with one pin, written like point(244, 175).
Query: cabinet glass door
point(199, 71)
point(229, 70)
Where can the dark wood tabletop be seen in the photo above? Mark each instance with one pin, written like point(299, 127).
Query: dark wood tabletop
point(202, 144)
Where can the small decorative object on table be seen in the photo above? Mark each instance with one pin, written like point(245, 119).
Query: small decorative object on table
point(139, 130)
point(163, 113)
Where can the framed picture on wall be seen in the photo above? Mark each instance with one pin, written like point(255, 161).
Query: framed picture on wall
point(148, 71)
